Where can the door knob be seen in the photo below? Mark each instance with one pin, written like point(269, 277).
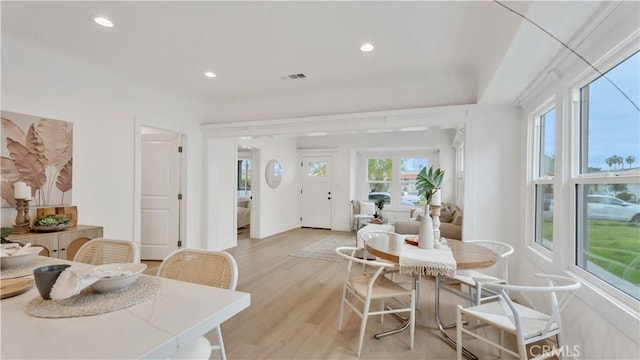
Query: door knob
point(329, 198)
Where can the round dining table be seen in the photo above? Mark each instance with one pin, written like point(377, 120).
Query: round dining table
point(467, 256)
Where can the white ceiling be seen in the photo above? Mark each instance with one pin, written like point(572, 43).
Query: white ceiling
point(427, 53)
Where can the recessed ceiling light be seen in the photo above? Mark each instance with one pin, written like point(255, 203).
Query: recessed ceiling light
point(209, 74)
point(101, 20)
point(366, 47)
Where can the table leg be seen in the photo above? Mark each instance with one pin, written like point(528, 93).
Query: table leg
point(445, 337)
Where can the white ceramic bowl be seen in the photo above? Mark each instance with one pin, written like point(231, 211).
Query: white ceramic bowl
point(20, 259)
point(118, 282)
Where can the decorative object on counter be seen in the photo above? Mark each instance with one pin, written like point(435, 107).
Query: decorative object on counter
point(428, 183)
point(13, 287)
point(22, 196)
point(50, 223)
point(67, 212)
point(89, 302)
point(38, 151)
point(114, 277)
point(14, 255)
point(436, 205)
point(46, 277)
point(426, 235)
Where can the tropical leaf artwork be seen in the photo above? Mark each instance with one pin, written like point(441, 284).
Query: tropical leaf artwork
point(38, 152)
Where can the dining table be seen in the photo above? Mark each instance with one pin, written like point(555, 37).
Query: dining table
point(175, 314)
point(466, 256)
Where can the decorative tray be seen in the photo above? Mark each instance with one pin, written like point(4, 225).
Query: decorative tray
point(50, 228)
point(13, 287)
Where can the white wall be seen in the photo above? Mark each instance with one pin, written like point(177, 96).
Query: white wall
point(220, 210)
point(345, 177)
point(277, 208)
point(492, 175)
point(105, 111)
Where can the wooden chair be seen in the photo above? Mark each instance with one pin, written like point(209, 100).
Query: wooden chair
point(212, 268)
point(369, 287)
point(106, 251)
point(527, 324)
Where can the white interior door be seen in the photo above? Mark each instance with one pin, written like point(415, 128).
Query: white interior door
point(316, 191)
point(160, 211)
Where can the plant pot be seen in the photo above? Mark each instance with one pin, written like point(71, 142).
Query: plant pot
point(50, 228)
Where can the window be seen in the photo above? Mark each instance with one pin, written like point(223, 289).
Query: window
point(544, 163)
point(409, 169)
point(392, 177)
point(317, 168)
point(607, 185)
point(244, 177)
point(379, 176)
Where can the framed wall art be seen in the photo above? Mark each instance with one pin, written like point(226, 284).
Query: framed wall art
point(39, 152)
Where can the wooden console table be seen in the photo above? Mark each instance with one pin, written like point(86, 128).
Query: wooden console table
point(61, 244)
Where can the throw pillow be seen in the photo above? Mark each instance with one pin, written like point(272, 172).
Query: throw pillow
point(367, 208)
point(417, 214)
point(457, 218)
point(446, 215)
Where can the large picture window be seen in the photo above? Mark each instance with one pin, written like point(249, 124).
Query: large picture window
point(392, 176)
point(607, 185)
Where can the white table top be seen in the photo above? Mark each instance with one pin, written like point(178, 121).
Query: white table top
point(155, 328)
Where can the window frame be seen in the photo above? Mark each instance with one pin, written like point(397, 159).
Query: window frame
point(244, 166)
point(575, 178)
point(534, 178)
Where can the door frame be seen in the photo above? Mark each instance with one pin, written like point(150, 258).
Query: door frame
point(254, 208)
point(137, 190)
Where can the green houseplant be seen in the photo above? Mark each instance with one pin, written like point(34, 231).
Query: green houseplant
point(428, 181)
point(6, 231)
point(380, 206)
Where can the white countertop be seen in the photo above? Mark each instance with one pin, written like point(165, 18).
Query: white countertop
point(155, 328)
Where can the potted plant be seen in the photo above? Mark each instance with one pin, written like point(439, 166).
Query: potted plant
point(6, 231)
point(50, 223)
point(428, 182)
point(380, 206)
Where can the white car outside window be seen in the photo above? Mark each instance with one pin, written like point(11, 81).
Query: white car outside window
point(611, 208)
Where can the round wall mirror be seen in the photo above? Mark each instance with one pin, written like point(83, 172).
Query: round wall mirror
point(273, 173)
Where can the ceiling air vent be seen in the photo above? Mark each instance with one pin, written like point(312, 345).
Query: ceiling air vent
point(294, 76)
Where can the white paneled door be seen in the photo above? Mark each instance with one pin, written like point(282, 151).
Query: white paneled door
point(316, 191)
point(160, 210)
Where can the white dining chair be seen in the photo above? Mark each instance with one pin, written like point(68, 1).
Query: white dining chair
point(527, 324)
point(473, 279)
point(362, 289)
point(396, 238)
point(212, 268)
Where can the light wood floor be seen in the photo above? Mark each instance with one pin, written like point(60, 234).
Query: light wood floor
point(294, 309)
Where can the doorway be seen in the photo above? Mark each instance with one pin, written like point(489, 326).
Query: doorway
point(244, 191)
point(315, 178)
point(161, 192)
